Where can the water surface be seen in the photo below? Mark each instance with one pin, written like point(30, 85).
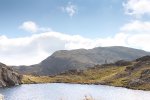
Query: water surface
point(59, 91)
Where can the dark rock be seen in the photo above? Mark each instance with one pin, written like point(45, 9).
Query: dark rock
point(145, 73)
point(72, 72)
point(122, 63)
point(136, 66)
point(135, 83)
point(145, 58)
point(129, 68)
point(8, 77)
point(146, 79)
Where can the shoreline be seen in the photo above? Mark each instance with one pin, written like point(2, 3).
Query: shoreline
point(87, 84)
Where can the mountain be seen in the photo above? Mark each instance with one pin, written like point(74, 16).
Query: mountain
point(130, 74)
point(80, 59)
point(8, 77)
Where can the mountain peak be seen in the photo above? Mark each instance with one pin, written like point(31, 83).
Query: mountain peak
point(80, 59)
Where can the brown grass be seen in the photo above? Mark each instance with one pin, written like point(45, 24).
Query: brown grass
point(112, 75)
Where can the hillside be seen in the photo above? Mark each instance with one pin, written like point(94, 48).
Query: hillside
point(134, 74)
point(81, 59)
point(8, 77)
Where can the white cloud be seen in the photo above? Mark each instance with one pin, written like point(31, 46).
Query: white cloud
point(138, 33)
point(32, 27)
point(35, 48)
point(137, 7)
point(29, 26)
point(70, 9)
point(137, 26)
point(140, 41)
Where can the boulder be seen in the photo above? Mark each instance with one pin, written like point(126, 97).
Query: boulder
point(8, 77)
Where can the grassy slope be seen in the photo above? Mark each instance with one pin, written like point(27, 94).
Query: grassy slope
point(87, 76)
point(124, 76)
point(135, 75)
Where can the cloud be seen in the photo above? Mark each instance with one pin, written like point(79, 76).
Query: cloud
point(32, 27)
point(138, 34)
point(29, 26)
point(137, 26)
point(70, 9)
point(33, 49)
point(137, 7)
point(140, 41)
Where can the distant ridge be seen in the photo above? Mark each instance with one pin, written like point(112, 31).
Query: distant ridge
point(80, 59)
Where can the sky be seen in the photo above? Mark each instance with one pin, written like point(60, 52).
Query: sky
point(31, 30)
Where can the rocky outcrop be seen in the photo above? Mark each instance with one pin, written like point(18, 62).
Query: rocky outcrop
point(8, 77)
point(142, 59)
point(122, 63)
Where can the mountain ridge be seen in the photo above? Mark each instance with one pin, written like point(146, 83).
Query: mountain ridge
point(80, 59)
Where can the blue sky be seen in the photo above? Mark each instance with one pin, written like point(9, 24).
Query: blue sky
point(92, 18)
point(31, 30)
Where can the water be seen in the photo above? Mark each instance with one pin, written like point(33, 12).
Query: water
point(59, 91)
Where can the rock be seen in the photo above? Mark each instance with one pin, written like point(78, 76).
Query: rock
point(135, 83)
point(8, 77)
point(122, 63)
point(146, 79)
point(129, 68)
point(145, 73)
point(145, 58)
point(145, 76)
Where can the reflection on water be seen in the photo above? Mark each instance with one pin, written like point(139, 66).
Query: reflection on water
point(59, 91)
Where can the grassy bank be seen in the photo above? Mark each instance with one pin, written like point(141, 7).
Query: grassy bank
point(90, 76)
point(129, 76)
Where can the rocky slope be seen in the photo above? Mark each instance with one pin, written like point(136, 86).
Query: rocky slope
point(8, 77)
point(131, 74)
point(80, 59)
